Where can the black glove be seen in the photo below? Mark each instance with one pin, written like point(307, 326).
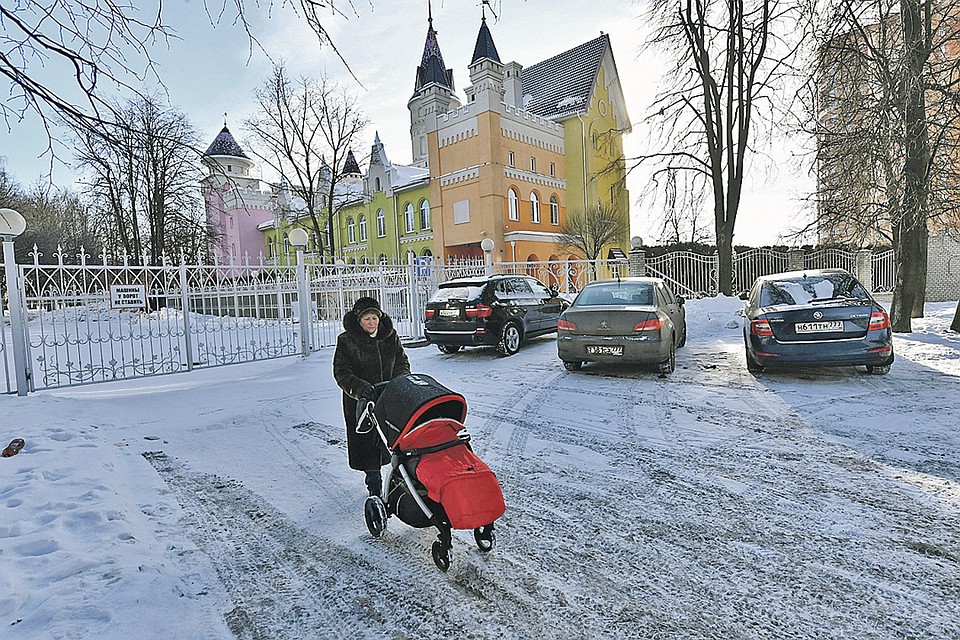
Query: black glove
point(368, 393)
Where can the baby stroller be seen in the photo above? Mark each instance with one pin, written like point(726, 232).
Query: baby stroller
point(435, 477)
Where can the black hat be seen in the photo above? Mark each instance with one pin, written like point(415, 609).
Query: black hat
point(366, 304)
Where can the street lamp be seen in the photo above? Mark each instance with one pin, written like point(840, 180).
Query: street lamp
point(12, 224)
point(298, 238)
point(487, 245)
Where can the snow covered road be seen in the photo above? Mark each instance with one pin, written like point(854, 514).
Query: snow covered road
point(709, 504)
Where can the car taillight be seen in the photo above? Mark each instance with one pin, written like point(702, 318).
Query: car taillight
point(429, 313)
point(879, 320)
point(479, 311)
point(566, 325)
point(761, 328)
point(653, 324)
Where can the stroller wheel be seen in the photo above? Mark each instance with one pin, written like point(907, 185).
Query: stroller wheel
point(375, 515)
point(484, 537)
point(441, 555)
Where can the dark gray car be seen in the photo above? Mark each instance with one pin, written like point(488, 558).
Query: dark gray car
point(632, 320)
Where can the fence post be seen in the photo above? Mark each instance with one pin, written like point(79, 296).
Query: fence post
point(413, 287)
point(303, 303)
point(865, 268)
point(17, 321)
point(795, 259)
point(185, 304)
point(638, 265)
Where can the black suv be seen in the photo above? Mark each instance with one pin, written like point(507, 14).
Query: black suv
point(500, 310)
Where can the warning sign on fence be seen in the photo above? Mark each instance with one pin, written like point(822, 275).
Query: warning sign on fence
point(128, 296)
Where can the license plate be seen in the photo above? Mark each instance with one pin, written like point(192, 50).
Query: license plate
point(449, 313)
point(834, 326)
point(605, 350)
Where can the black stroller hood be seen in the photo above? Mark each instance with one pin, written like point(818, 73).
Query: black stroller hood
point(413, 399)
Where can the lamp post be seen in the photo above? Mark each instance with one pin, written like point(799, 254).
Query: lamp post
point(298, 238)
point(12, 224)
point(487, 245)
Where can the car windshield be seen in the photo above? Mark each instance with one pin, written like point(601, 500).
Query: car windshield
point(811, 289)
point(465, 291)
point(616, 294)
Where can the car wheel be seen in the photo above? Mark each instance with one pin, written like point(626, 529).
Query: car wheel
point(448, 348)
point(752, 365)
point(670, 364)
point(878, 369)
point(683, 338)
point(572, 365)
point(510, 339)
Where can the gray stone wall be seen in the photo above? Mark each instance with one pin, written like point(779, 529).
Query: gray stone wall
point(943, 267)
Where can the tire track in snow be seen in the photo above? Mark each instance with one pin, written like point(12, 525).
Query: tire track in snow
point(288, 583)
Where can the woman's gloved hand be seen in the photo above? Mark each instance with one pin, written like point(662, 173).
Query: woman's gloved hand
point(369, 393)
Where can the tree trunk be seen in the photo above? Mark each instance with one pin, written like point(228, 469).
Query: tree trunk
point(911, 272)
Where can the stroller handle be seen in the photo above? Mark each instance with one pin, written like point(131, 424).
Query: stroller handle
point(367, 421)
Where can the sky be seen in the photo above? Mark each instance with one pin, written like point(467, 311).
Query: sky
point(710, 503)
point(212, 71)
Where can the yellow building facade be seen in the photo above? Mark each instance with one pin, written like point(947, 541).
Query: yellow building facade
point(526, 146)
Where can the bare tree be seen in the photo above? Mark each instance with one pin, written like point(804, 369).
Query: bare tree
point(682, 220)
point(143, 178)
point(886, 120)
point(57, 223)
point(588, 232)
point(63, 59)
point(731, 60)
point(304, 130)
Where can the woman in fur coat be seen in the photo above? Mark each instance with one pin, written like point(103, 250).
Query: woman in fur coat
point(368, 351)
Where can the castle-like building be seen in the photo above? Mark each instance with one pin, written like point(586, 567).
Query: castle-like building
point(526, 147)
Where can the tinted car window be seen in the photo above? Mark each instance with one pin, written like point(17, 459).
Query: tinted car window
point(615, 294)
point(518, 286)
point(811, 288)
point(461, 292)
point(539, 289)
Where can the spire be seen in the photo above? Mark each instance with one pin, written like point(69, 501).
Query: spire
point(225, 145)
point(484, 47)
point(350, 165)
point(378, 154)
point(432, 70)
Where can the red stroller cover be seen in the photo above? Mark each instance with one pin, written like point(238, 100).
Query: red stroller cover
point(455, 477)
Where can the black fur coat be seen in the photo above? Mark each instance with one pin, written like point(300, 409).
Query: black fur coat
point(360, 360)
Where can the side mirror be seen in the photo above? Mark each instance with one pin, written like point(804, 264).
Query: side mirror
point(743, 295)
point(681, 300)
point(554, 292)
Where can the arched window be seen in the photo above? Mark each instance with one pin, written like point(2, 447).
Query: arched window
point(381, 223)
point(313, 241)
point(363, 227)
point(409, 219)
point(327, 233)
point(424, 215)
point(513, 203)
point(554, 210)
point(534, 207)
point(351, 231)
point(378, 184)
point(286, 244)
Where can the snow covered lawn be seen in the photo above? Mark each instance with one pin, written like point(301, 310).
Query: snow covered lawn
point(709, 504)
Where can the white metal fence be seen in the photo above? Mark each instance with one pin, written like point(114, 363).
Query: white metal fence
point(93, 322)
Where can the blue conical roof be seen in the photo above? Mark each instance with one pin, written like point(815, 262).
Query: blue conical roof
point(485, 47)
point(225, 145)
